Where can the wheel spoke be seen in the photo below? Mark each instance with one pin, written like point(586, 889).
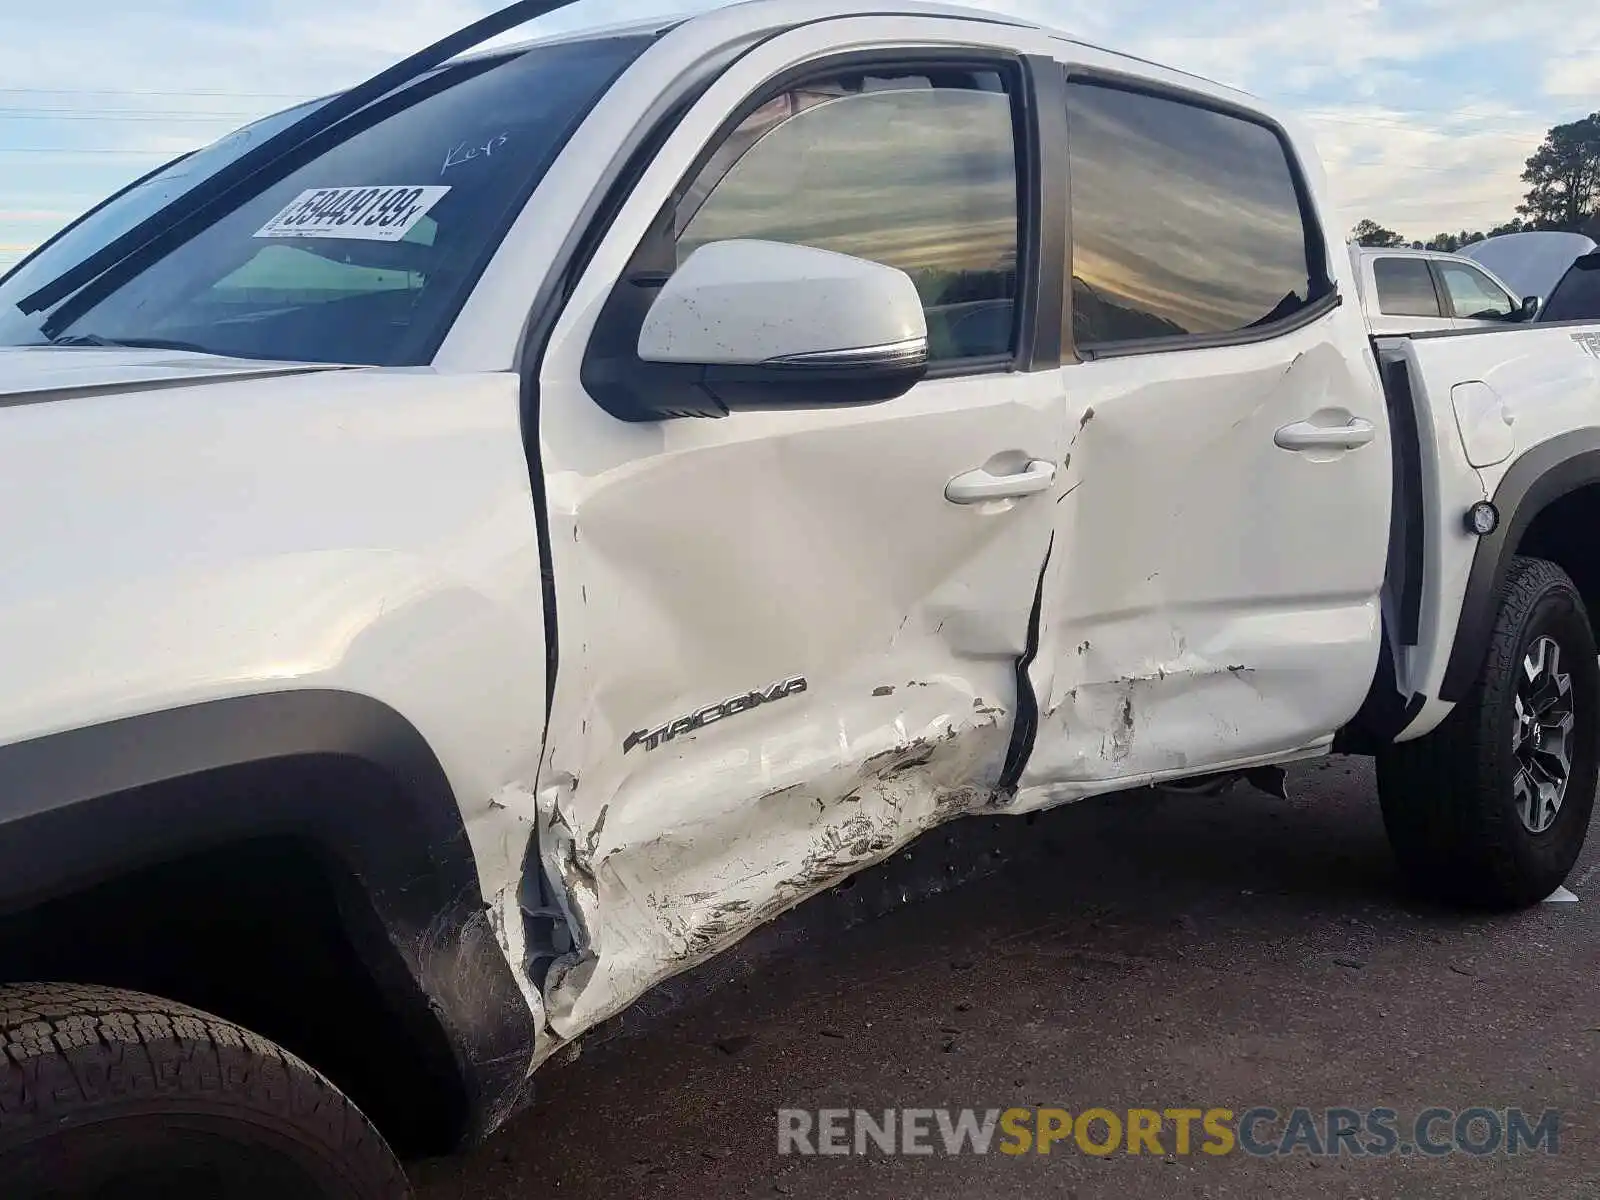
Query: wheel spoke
point(1553, 693)
point(1545, 772)
point(1541, 738)
point(1526, 799)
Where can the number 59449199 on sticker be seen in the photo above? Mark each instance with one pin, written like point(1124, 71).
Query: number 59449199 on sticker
point(369, 214)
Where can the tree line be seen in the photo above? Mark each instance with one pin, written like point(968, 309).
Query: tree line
point(1563, 178)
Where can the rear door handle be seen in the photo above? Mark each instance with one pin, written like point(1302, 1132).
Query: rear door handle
point(974, 487)
point(1303, 435)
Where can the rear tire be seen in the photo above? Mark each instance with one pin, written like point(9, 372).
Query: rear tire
point(1492, 808)
point(114, 1095)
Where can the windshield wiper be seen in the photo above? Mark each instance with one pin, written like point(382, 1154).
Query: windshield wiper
point(95, 339)
point(249, 174)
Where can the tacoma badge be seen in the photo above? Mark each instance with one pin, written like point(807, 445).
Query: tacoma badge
point(733, 705)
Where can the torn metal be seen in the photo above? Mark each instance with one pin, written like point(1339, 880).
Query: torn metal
point(646, 901)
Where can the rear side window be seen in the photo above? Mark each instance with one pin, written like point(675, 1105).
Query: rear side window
point(1405, 287)
point(915, 171)
point(1186, 222)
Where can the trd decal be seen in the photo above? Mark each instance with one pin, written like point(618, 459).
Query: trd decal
point(1589, 342)
point(732, 706)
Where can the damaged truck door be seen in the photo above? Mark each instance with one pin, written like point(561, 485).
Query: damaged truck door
point(789, 637)
point(1214, 603)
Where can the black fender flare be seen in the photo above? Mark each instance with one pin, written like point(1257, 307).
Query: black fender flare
point(1544, 474)
point(84, 805)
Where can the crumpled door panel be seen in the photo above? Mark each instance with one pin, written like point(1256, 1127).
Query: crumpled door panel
point(693, 790)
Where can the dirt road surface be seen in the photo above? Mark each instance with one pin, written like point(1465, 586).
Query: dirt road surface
point(1156, 952)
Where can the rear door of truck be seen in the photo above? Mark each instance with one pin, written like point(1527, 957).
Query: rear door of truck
point(1214, 597)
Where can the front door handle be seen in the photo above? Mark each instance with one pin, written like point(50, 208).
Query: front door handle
point(1303, 435)
point(974, 487)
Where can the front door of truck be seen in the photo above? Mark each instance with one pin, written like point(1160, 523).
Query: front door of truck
point(1214, 596)
point(811, 579)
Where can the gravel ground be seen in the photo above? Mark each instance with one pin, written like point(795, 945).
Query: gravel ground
point(1154, 951)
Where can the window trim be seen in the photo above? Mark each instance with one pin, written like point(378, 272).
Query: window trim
point(1430, 268)
point(1324, 295)
point(1015, 75)
point(1041, 194)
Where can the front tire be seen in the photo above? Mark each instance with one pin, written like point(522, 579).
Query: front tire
point(114, 1095)
point(1492, 808)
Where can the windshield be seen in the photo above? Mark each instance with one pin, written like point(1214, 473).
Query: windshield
point(364, 252)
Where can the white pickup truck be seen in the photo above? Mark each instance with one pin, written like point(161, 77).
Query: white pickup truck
point(1420, 291)
point(478, 545)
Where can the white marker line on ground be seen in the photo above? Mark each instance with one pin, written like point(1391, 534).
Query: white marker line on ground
point(1561, 896)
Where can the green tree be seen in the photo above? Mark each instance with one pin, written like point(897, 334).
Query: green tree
point(1370, 233)
point(1563, 176)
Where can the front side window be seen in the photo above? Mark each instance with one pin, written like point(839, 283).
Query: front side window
point(1473, 294)
point(365, 251)
point(1186, 222)
point(1405, 288)
point(914, 171)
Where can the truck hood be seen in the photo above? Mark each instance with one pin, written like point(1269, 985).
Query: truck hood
point(1531, 263)
point(38, 373)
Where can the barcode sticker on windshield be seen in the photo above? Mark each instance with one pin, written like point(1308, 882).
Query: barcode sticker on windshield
point(368, 214)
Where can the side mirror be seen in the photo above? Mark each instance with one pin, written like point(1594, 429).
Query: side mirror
point(1529, 309)
point(761, 325)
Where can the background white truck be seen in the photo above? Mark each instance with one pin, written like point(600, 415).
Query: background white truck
point(479, 544)
point(1420, 291)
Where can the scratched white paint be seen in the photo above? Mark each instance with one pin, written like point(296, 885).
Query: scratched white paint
point(696, 560)
point(1225, 618)
point(1229, 615)
point(1209, 600)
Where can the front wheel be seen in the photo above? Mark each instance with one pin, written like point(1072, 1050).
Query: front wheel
point(113, 1095)
point(1492, 808)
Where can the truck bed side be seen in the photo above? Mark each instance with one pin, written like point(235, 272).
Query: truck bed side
point(1508, 416)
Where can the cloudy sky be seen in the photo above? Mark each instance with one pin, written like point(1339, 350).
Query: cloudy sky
point(1424, 110)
